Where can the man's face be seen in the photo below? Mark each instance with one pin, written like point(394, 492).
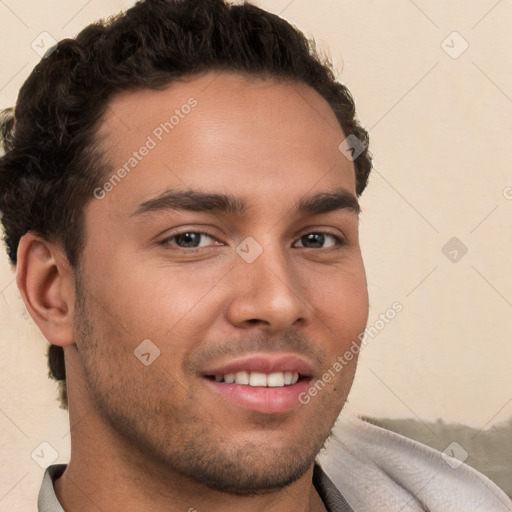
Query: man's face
point(288, 300)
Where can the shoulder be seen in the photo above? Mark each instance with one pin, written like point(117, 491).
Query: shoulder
point(375, 468)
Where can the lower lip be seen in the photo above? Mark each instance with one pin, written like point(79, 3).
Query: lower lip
point(265, 400)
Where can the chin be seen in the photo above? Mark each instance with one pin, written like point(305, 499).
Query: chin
point(242, 478)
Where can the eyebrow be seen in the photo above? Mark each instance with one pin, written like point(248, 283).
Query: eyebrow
point(197, 201)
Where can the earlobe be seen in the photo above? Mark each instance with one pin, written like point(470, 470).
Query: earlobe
point(46, 283)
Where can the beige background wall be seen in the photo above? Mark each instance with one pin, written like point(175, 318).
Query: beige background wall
point(440, 122)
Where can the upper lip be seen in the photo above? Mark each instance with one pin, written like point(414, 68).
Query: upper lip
point(264, 363)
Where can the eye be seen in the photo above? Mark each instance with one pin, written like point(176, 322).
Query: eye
point(199, 239)
point(188, 239)
point(316, 240)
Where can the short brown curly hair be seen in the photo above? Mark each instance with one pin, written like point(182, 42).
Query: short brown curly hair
point(52, 162)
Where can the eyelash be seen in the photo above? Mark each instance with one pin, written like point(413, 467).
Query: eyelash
point(339, 241)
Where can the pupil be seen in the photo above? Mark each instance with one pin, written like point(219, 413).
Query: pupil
point(316, 238)
point(189, 239)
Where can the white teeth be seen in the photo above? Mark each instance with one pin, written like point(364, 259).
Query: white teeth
point(242, 378)
point(258, 379)
point(275, 380)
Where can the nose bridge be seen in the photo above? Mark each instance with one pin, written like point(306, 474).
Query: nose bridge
point(269, 287)
point(265, 258)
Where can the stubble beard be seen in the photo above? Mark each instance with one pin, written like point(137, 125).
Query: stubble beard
point(174, 436)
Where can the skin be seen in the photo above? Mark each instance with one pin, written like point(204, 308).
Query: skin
point(156, 437)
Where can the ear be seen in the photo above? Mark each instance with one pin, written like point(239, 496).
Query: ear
point(47, 285)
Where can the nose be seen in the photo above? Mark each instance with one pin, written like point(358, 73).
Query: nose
point(267, 291)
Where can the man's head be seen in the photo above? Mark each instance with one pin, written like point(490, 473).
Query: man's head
point(174, 119)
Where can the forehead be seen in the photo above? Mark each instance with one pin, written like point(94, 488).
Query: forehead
point(223, 131)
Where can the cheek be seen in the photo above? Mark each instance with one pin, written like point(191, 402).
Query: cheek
point(344, 310)
point(344, 299)
point(172, 307)
point(135, 287)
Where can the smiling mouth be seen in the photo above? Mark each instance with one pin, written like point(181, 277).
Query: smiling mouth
point(263, 383)
point(259, 379)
